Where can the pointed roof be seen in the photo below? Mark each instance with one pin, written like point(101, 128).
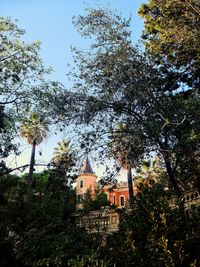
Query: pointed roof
point(86, 167)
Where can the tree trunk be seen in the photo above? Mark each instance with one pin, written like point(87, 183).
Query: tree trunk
point(171, 174)
point(32, 163)
point(130, 185)
point(170, 171)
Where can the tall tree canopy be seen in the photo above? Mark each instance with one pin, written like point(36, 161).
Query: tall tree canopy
point(171, 37)
point(172, 33)
point(23, 86)
point(117, 83)
point(21, 70)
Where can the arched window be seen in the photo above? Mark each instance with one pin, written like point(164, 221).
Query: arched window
point(122, 201)
point(81, 183)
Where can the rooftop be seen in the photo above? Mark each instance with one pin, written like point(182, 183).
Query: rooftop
point(86, 167)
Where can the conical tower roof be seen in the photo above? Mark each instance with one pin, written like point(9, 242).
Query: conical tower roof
point(86, 167)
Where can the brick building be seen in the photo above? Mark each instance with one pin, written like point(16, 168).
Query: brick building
point(87, 179)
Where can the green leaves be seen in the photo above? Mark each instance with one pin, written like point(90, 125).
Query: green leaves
point(64, 154)
point(172, 33)
point(22, 83)
point(34, 129)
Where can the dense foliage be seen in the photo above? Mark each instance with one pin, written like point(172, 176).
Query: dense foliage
point(172, 32)
point(38, 228)
point(153, 95)
point(154, 234)
point(96, 202)
point(37, 225)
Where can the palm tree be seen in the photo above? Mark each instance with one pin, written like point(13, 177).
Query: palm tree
point(64, 155)
point(34, 129)
point(149, 172)
point(125, 162)
point(121, 150)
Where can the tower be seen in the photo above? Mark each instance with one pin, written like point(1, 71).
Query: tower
point(86, 180)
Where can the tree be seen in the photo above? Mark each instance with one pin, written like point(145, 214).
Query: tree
point(95, 202)
point(172, 32)
point(154, 234)
point(23, 85)
point(117, 83)
point(149, 172)
point(64, 154)
point(64, 161)
point(8, 187)
point(6, 140)
point(40, 228)
point(122, 146)
point(34, 129)
point(171, 37)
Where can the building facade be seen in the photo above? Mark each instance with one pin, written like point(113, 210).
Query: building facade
point(87, 179)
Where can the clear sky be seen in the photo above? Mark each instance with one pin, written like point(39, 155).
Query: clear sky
point(50, 22)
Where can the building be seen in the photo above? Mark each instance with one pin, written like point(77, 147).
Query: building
point(106, 220)
point(87, 179)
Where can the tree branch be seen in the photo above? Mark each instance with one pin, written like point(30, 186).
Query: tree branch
point(193, 7)
point(23, 167)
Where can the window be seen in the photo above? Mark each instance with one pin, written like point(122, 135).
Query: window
point(81, 183)
point(121, 201)
point(114, 199)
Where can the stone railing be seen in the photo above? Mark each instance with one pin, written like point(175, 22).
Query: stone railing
point(106, 220)
point(191, 197)
point(102, 221)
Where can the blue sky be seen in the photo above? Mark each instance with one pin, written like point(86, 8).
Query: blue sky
point(50, 22)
